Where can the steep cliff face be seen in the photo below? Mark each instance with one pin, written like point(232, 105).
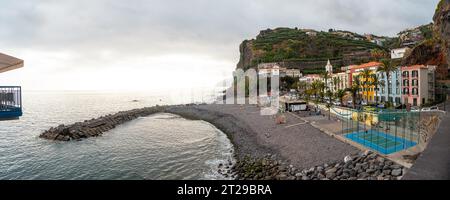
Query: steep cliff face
point(428, 53)
point(435, 51)
point(442, 26)
point(248, 54)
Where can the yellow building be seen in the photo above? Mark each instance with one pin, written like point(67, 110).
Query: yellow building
point(367, 91)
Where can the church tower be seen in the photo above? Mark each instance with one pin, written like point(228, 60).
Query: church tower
point(329, 68)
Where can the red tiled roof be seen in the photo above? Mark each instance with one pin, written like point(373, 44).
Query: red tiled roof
point(414, 67)
point(367, 65)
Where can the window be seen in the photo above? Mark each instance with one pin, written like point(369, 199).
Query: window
point(415, 102)
point(415, 82)
point(405, 74)
point(415, 91)
point(415, 73)
point(406, 82)
point(405, 90)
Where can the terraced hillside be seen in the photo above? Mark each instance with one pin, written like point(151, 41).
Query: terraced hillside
point(309, 49)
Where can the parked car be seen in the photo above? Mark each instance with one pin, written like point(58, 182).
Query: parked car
point(415, 109)
point(363, 103)
point(434, 108)
point(337, 103)
point(430, 108)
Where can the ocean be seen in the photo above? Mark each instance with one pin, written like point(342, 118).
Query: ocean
point(161, 146)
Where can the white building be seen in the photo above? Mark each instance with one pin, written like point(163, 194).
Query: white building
point(310, 78)
point(398, 53)
point(292, 73)
point(329, 68)
point(343, 81)
point(269, 68)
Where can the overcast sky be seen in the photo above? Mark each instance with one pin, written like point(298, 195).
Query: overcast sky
point(116, 44)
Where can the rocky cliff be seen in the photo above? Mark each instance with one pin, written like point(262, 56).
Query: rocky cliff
point(442, 26)
point(435, 50)
point(310, 49)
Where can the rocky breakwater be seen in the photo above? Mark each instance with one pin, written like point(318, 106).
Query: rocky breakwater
point(96, 126)
point(363, 166)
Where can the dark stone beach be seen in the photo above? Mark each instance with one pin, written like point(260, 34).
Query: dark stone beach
point(263, 149)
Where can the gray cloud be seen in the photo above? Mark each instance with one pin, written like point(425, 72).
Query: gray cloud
point(143, 28)
point(160, 26)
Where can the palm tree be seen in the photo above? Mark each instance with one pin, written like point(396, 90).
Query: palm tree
point(315, 87)
point(302, 86)
point(354, 89)
point(325, 76)
point(366, 75)
point(336, 81)
point(321, 88)
point(328, 104)
point(308, 93)
point(376, 82)
point(387, 67)
point(340, 95)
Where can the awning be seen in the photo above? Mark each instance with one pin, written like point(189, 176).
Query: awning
point(9, 63)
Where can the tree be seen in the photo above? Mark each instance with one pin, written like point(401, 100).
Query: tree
point(328, 104)
point(376, 82)
point(354, 90)
point(308, 93)
point(321, 89)
point(302, 86)
point(325, 76)
point(340, 95)
point(366, 75)
point(378, 54)
point(315, 87)
point(336, 82)
point(387, 67)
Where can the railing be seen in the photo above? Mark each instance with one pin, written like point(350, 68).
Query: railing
point(383, 130)
point(10, 102)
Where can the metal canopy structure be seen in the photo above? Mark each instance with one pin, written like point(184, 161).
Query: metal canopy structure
point(8, 63)
point(10, 96)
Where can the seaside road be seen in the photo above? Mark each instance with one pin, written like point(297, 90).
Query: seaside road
point(298, 142)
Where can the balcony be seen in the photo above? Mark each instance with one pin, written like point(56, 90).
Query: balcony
point(10, 102)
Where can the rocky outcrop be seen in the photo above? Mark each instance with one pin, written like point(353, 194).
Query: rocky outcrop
point(246, 55)
point(97, 126)
point(442, 26)
point(435, 51)
point(428, 53)
point(363, 166)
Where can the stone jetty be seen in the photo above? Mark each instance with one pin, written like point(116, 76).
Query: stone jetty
point(362, 166)
point(97, 126)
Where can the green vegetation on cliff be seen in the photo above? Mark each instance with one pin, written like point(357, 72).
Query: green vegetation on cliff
point(305, 45)
point(293, 44)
